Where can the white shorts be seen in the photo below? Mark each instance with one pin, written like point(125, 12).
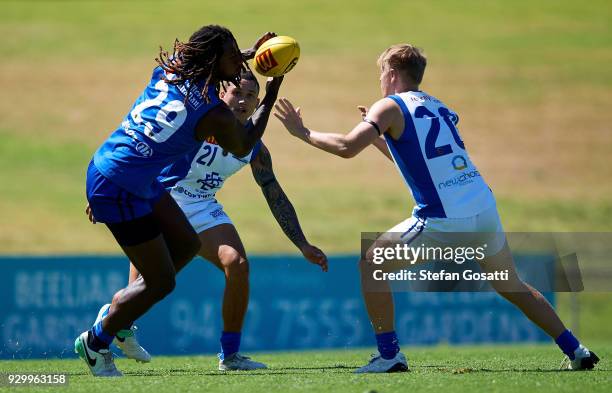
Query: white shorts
point(485, 228)
point(203, 215)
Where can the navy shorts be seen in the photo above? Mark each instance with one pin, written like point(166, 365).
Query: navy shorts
point(110, 203)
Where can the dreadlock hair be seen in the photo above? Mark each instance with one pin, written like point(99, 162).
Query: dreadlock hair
point(196, 60)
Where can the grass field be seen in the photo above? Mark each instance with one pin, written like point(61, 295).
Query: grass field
point(462, 369)
point(528, 79)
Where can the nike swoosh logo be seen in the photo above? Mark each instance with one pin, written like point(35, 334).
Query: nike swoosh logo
point(91, 361)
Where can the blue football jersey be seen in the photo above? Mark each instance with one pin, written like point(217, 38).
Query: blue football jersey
point(159, 130)
point(434, 162)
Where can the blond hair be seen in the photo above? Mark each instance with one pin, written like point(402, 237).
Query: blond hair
point(408, 59)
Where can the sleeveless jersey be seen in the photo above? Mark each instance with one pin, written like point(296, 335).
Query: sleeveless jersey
point(159, 130)
point(432, 159)
point(199, 175)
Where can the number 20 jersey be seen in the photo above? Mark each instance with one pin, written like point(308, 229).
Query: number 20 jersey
point(432, 159)
point(159, 130)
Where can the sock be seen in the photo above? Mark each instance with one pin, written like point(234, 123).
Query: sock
point(568, 343)
point(105, 314)
point(388, 344)
point(98, 339)
point(230, 343)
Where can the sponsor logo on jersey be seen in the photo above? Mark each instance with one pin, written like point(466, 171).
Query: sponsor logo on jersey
point(459, 163)
point(197, 194)
point(195, 96)
point(144, 149)
point(266, 61)
point(461, 180)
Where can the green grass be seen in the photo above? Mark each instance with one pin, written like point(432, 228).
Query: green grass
point(510, 69)
point(458, 369)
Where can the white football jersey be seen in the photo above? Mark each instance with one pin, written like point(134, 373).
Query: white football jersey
point(432, 159)
point(202, 173)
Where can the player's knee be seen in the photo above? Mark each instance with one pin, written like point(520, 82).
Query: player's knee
point(117, 296)
point(235, 264)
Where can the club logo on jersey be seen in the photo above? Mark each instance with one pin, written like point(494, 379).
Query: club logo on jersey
point(266, 61)
point(459, 163)
point(144, 149)
point(210, 181)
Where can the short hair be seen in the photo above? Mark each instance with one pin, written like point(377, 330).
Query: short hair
point(248, 75)
point(405, 58)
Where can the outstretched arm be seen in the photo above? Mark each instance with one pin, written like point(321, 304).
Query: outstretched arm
point(230, 134)
point(282, 209)
point(381, 117)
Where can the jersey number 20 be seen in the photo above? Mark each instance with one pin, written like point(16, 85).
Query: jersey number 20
point(431, 150)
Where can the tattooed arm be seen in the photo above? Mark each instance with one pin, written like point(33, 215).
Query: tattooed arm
point(282, 209)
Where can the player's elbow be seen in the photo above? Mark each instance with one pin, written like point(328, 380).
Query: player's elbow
point(346, 151)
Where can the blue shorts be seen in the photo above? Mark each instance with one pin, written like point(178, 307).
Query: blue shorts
point(110, 203)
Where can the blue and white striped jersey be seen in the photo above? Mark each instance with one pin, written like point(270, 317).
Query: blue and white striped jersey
point(432, 159)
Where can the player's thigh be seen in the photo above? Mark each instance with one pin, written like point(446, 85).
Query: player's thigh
point(221, 244)
point(181, 239)
point(503, 261)
point(153, 261)
point(145, 246)
point(409, 233)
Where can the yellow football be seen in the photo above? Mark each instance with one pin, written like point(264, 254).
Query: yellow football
point(277, 56)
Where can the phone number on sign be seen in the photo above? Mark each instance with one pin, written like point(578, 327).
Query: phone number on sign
point(33, 379)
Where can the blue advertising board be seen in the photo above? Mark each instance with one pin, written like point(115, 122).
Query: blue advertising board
point(45, 302)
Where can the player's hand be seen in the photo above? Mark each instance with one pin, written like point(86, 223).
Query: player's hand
point(89, 213)
point(290, 117)
point(315, 255)
point(248, 54)
point(273, 84)
point(363, 110)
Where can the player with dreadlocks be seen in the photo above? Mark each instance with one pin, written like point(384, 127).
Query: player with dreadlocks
point(178, 109)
